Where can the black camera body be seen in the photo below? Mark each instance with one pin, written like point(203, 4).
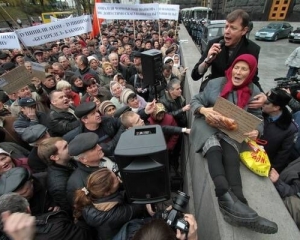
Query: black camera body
point(175, 217)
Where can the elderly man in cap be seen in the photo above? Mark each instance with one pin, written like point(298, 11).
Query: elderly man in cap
point(33, 135)
point(48, 83)
point(39, 96)
point(88, 153)
point(39, 57)
point(29, 116)
point(280, 130)
point(107, 129)
point(62, 117)
point(54, 152)
point(51, 225)
point(19, 180)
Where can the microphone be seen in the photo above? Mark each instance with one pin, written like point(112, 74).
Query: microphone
point(222, 44)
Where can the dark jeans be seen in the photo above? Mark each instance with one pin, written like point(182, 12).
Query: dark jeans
point(224, 169)
point(291, 72)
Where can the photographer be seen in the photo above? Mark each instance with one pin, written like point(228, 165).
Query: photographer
point(159, 230)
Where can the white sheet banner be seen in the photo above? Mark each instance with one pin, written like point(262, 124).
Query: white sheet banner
point(127, 11)
point(168, 11)
point(9, 40)
point(54, 19)
point(37, 35)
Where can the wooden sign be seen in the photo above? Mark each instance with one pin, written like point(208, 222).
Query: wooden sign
point(246, 121)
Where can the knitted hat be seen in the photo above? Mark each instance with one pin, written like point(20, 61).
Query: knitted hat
point(104, 105)
point(125, 95)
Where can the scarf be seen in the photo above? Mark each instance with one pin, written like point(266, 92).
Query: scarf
point(243, 91)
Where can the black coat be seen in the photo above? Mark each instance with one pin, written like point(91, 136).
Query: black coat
point(108, 223)
point(280, 135)
point(78, 180)
point(57, 179)
point(112, 128)
point(58, 226)
point(288, 183)
point(175, 108)
point(23, 122)
point(223, 61)
point(61, 122)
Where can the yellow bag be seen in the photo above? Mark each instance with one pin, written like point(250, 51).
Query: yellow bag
point(256, 158)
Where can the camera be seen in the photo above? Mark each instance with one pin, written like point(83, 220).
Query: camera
point(175, 217)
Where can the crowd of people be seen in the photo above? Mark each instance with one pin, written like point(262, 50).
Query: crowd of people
point(60, 131)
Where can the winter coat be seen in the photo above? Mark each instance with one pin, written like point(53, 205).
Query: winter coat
point(61, 121)
point(112, 128)
point(281, 136)
point(78, 180)
point(174, 107)
point(57, 179)
point(294, 59)
point(222, 62)
point(201, 131)
point(109, 222)
point(288, 183)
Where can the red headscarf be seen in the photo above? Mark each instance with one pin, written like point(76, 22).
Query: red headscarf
point(243, 91)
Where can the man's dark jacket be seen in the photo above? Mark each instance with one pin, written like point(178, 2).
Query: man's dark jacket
point(223, 61)
point(175, 108)
point(61, 122)
point(280, 135)
point(57, 179)
point(78, 179)
point(112, 128)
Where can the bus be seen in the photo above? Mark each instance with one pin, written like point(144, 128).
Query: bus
point(198, 13)
point(46, 16)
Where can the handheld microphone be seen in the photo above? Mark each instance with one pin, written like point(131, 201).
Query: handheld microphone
point(222, 44)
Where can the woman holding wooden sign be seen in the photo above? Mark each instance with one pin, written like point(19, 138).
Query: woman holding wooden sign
point(220, 150)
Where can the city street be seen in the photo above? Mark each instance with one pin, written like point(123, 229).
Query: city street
point(272, 56)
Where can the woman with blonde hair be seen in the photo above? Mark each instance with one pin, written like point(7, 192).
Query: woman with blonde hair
point(103, 206)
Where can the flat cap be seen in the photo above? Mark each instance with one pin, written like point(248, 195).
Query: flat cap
point(3, 55)
point(82, 143)
point(121, 110)
point(26, 102)
point(34, 133)
point(84, 109)
point(38, 52)
point(8, 66)
point(13, 179)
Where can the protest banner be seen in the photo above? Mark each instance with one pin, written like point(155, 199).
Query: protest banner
point(168, 11)
point(15, 79)
point(37, 35)
point(54, 19)
point(127, 11)
point(38, 70)
point(9, 40)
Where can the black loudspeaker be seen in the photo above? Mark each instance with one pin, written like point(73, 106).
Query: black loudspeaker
point(142, 158)
point(152, 66)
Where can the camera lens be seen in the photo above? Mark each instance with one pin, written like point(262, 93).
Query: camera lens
point(181, 201)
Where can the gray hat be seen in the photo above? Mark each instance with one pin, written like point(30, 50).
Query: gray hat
point(8, 66)
point(26, 102)
point(82, 143)
point(34, 133)
point(13, 179)
point(84, 109)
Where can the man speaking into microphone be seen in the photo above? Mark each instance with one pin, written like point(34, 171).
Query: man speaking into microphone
point(222, 51)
